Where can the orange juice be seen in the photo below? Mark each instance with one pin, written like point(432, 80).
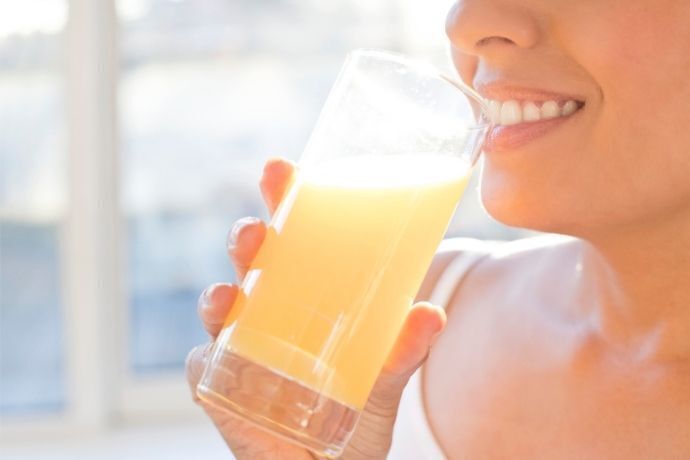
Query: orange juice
point(340, 266)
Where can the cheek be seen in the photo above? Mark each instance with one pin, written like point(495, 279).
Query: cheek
point(638, 53)
point(644, 62)
point(631, 159)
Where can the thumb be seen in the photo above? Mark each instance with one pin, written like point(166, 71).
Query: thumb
point(424, 322)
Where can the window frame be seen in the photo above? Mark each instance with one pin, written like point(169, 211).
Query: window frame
point(97, 393)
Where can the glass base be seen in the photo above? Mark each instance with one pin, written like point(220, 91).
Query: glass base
point(277, 404)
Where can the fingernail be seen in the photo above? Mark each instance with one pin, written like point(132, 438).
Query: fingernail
point(234, 233)
point(204, 299)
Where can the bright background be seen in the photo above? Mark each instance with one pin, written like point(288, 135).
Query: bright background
point(132, 135)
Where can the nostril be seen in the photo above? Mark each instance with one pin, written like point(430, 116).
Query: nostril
point(495, 39)
point(473, 25)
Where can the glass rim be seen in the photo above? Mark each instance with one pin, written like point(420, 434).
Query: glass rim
point(429, 70)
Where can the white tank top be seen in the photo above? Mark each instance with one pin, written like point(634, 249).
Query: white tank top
point(412, 435)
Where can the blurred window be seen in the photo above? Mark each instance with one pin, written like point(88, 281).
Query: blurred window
point(209, 90)
point(32, 205)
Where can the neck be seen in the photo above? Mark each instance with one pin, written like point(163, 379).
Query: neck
point(640, 280)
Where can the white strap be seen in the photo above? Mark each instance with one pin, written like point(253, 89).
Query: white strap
point(455, 272)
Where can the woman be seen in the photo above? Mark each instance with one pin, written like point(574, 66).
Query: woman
point(573, 347)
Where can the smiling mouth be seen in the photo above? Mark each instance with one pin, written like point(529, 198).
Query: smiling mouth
point(513, 112)
point(516, 122)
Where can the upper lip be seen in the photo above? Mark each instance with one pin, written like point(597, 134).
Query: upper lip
point(505, 91)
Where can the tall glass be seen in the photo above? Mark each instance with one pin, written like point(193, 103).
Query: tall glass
point(346, 251)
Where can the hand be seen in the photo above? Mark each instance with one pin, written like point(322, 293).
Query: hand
point(372, 436)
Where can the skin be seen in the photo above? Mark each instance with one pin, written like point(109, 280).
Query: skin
point(588, 354)
point(563, 348)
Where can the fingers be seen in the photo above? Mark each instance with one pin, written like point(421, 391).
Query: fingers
point(194, 366)
point(275, 180)
point(423, 324)
point(247, 234)
point(214, 305)
point(245, 440)
point(244, 241)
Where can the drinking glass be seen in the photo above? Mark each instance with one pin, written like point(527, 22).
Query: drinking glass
point(346, 251)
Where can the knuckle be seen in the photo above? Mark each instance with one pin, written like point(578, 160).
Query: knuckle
point(383, 404)
point(241, 268)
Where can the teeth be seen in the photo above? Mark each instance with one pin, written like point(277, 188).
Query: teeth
point(530, 112)
point(569, 108)
point(512, 112)
point(550, 110)
point(495, 112)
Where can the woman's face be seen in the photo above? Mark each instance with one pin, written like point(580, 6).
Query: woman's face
point(623, 157)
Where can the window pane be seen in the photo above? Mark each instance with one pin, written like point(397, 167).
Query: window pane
point(32, 200)
point(210, 89)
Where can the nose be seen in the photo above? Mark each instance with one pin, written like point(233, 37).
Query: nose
point(485, 27)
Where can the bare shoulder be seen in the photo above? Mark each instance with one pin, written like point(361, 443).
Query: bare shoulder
point(520, 287)
point(518, 279)
point(497, 271)
point(522, 260)
point(501, 327)
point(491, 263)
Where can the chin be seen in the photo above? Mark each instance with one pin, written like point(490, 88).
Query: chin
point(590, 210)
point(524, 207)
point(553, 212)
point(510, 210)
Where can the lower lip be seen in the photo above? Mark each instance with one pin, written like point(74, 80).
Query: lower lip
point(504, 138)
